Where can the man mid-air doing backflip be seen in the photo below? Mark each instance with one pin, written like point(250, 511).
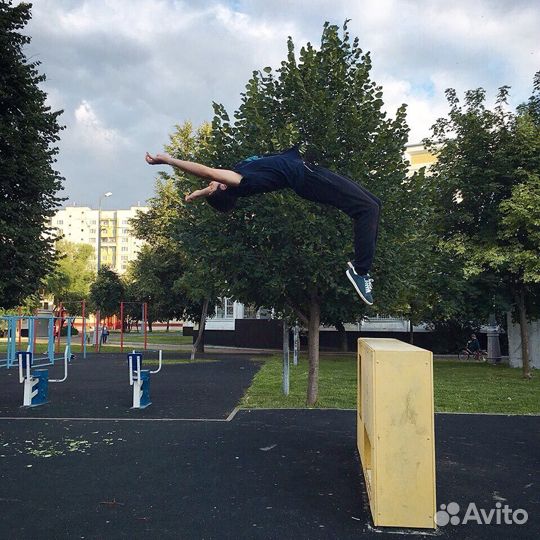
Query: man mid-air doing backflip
point(262, 174)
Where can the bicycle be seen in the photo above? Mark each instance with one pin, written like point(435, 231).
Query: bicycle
point(466, 354)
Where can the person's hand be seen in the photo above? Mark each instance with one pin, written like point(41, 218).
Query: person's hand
point(206, 192)
point(159, 159)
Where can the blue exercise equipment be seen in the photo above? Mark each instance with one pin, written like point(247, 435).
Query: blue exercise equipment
point(140, 378)
point(32, 322)
point(36, 381)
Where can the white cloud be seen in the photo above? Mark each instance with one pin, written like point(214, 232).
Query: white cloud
point(93, 134)
point(127, 71)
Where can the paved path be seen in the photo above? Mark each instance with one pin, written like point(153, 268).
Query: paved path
point(87, 466)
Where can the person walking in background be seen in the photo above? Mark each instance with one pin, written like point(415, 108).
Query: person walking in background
point(104, 334)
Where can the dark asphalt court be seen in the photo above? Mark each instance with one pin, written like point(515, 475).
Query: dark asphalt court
point(265, 474)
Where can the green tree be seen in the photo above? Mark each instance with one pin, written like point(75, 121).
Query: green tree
point(154, 274)
point(107, 292)
point(485, 190)
point(283, 251)
point(28, 182)
point(70, 280)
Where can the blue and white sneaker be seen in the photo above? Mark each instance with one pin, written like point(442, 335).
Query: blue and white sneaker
point(362, 284)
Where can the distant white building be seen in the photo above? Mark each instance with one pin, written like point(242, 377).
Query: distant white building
point(79, 224)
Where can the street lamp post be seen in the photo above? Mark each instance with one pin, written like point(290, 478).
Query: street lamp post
point(98, 317)
point(108, 194)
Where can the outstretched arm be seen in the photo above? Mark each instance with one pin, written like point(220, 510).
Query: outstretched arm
point(206, 192)
point(223, 176)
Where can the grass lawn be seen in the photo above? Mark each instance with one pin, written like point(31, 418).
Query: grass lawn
point(458, 387)
point(41, 349)
point(175, 338)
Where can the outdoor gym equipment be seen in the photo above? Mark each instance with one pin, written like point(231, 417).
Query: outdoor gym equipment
point(36, 382)
point(395, 437)
point(33, 322)
point(140, 378)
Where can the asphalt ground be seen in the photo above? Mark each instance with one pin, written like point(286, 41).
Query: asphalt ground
point(272, 474)
point(98, 387)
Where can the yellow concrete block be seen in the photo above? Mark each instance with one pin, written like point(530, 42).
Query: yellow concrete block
point(395, 435)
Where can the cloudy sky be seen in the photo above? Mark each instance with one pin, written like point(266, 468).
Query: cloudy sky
point(126, 71)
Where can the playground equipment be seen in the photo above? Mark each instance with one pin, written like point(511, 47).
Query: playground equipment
point(65, 307)
point(140, 378)
point(36, 382)
point(144, 322)
point(395, 436)
point(49, 325)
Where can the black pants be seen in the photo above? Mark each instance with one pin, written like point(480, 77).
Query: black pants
point(324, 186)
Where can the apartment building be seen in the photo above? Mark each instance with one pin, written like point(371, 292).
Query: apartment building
point(418, 156)
point(79, 224)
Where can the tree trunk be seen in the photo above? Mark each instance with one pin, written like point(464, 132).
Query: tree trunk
point(342, 337)
point(524, 330)
point(168, 323)
point(202, 324)
point(313, 350)
point(149, 322)
point(411, 333)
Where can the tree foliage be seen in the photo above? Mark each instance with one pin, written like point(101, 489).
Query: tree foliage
point(153, 277)
point(107, 292)
point(70, 280)
point(28, 182)
point(279, 250)
point(291, 252)
point(485, 194)
point(182, 284)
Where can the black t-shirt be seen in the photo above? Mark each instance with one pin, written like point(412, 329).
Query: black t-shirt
point(261, 174)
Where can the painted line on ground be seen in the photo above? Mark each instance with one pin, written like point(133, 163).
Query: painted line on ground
point(229, 418)
point(93, 419)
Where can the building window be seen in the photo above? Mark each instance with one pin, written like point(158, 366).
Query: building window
point(124, 239)
point(124, 258)
point(93, 222)
point(92, 231)
point(92, 239)
point(124, 248)
point(124, 222)
point(226, 309)
point(60, 222)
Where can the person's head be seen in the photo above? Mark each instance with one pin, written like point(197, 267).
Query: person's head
point(222, 200)
point(473, 336)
